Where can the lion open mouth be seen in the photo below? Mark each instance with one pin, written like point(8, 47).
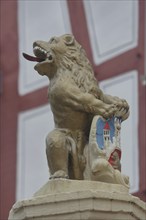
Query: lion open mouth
point(40, 55)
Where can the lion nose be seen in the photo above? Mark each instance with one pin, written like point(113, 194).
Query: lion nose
point(39, 43)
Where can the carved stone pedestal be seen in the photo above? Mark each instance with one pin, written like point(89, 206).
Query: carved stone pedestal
point(72, 199)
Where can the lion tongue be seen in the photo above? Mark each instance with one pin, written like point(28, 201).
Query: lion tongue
point(31, 58)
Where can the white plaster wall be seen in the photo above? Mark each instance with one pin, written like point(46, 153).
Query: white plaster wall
point(38, 20)
point(112, 26)
point(126, 86)
point(32, 168)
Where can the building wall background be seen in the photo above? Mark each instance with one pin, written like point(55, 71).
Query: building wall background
point(112, 33)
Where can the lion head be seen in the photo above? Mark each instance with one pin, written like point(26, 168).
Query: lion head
point(65, 54)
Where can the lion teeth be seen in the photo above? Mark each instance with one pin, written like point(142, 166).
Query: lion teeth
point(36, 48)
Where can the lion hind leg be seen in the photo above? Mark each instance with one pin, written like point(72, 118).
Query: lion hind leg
point(57, 154)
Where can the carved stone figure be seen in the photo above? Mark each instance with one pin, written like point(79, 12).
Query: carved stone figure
point(75, 98)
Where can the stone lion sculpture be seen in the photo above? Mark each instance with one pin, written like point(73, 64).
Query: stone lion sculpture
point(75, 98)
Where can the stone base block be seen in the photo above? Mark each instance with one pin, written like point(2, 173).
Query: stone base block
point(72, 199)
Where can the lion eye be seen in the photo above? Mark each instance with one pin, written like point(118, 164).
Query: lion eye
point(53, 40)
point(69, 40)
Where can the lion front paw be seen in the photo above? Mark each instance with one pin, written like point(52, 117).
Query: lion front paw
point(109, 110)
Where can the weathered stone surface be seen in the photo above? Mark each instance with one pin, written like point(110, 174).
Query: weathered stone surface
point(76, 100)
point(72, 199)
point(64, 185)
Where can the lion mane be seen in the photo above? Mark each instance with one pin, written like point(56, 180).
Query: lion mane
point(75, 60)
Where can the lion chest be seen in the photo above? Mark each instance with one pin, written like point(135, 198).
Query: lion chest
point(60, 95)
point(64, 106)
